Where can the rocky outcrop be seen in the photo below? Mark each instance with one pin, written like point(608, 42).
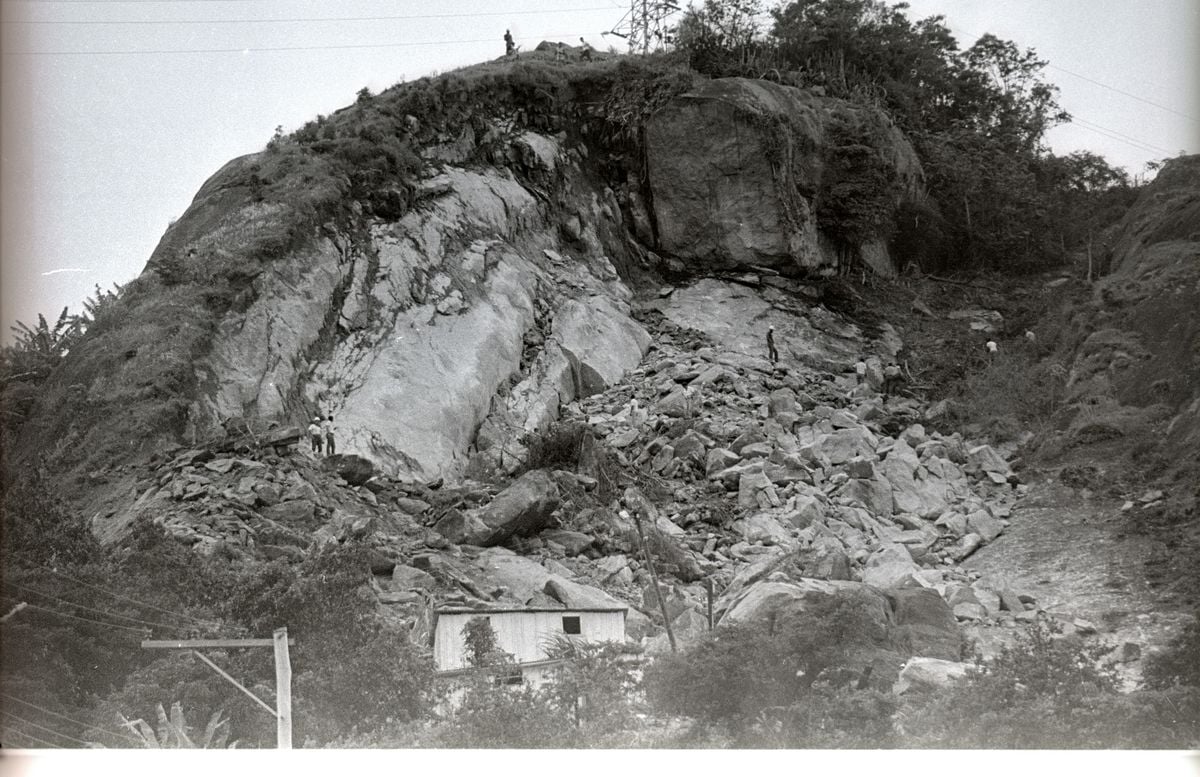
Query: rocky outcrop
point(407, 338)
point(1133, 349)
point(740, 168)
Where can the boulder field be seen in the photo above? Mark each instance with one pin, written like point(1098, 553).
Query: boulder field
point(781, 485)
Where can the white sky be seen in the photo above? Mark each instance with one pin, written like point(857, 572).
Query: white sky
point(101, 150)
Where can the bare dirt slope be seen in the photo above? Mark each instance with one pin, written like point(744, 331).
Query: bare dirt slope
point(1074, 552)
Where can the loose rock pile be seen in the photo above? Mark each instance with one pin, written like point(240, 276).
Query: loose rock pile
point(778, 485)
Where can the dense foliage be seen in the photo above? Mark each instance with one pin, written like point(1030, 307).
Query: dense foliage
point(976, 116)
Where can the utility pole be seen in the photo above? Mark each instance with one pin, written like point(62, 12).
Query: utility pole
point(639, 500)
point(283, 690)
point(282, 711)
point(16, 609)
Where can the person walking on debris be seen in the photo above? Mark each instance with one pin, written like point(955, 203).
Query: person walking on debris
point(314, 434)
point(772, 354)
point(891, 379)
point(860, 371)
point(509, 46)
point(585, 53)
point(327, 430)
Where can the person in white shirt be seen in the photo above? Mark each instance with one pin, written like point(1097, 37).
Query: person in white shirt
point(314, 434)
point(327, 430)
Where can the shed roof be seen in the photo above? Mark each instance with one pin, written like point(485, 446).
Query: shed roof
point(451, 610)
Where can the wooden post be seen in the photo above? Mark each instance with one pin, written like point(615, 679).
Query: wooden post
point(662, 603)
point(708, 585)
point(283, 673)
point(283, 690)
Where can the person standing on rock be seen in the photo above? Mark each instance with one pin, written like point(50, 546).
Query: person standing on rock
point(860, 371)
point(509, 46)
point(314, 434)
point(327, 430)
point(772, 354)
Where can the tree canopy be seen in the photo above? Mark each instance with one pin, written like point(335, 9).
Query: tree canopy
point(977, 117)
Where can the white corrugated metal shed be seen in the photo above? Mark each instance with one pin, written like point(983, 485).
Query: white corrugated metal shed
point(524, 632)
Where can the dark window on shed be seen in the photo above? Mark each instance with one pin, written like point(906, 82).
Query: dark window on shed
point(571, 624)
point(512, 677)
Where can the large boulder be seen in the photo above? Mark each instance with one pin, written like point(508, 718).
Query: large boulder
point(924, 624)
point(578, 596)
point(601, 341)
point(890, 567)
point(778, 601)
point(524, 508)
point(762, 527)
point(736, 164)
point(874, 494)
point(521, 578)
point(921, 675)
point(844, 445)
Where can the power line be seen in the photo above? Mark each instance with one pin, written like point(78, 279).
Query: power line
point(1160, 106)
point(253, 50)
point(1089, 124)
point(1119, 136)
point(309, 19)
point(96, 610)
point(198, 621)
point(88, 620)
point(32, 737)
point(1127, 94)
point(44, 728)
point(69, 720)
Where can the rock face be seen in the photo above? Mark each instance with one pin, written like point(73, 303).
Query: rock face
point(1137, 361)
point(406, 331)
point(737, 169)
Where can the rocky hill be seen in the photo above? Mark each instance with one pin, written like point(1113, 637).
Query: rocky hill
point(535, 301)
point(448, 308)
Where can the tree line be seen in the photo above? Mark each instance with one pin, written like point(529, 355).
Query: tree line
point(977, 116)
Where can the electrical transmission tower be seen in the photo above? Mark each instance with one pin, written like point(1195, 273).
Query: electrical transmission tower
point(644, 25)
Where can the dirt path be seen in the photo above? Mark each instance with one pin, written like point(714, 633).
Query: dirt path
point(1073, 552)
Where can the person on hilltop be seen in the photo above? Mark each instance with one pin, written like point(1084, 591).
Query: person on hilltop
point(560, 52)
point(509, 46)
point(327, 430)
point(772, 354)
point(585, 53)
point(314, 434)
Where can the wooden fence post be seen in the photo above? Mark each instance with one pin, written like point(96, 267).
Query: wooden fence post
point(283, 690)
